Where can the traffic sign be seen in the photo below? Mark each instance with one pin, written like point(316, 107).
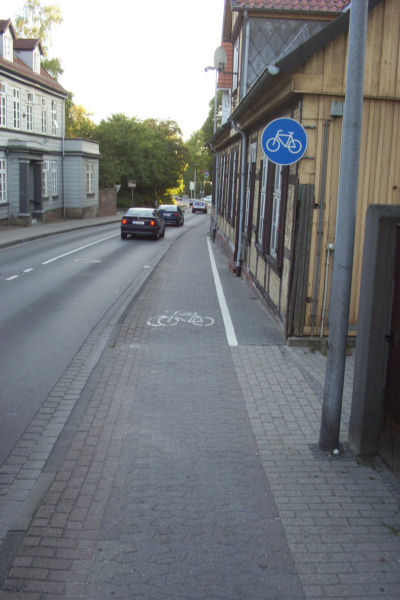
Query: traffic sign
point(284, 141)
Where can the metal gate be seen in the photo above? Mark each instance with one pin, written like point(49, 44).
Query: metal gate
point(389, 444)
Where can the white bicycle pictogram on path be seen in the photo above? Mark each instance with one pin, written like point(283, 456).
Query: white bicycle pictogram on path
point(176, 317)
point(286, 140)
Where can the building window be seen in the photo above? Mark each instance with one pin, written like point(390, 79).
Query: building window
point(44, 115)
point(50, 179)
point(54, 125)
point(3, 105)
point(54, 180)
point(36, 61)
point(3, 181)
point(273, 207)
point(46, 168)
point(250, 181)
point(8, 46)
point(263, 195)
point(89, 178)
point(232, 199)
point(276, 204)
point(16, 108)
point(235, 65)
point(29, 112)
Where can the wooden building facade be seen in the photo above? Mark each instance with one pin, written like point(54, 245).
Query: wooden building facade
point(278, 223)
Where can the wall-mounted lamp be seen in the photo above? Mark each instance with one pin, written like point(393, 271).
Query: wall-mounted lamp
point(273, 69)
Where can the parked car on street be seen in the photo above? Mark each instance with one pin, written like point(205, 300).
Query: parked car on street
point(199, 206)
point(143, 222)
point(172, 214)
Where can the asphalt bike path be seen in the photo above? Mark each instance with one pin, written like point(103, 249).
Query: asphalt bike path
point(160, 492)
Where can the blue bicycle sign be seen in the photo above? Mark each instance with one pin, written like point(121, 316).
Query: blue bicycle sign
point(284, 141)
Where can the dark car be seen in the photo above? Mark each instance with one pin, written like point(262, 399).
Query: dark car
point(143, 222)
point(172, 214)
point(199, 206)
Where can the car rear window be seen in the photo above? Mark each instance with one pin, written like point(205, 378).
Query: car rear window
point(144, 212)
point(168, 207)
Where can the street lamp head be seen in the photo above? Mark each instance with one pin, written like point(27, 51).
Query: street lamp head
point(273, 69)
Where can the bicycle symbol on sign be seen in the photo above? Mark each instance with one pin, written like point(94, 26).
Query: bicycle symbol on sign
point(171, 320)
point(286, 140)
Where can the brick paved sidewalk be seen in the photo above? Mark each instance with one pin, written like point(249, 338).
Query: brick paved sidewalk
point(190, 469)
point(341, 515)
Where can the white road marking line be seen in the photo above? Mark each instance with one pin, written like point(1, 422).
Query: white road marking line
point(229, 329)
point(27, 270)
point(12, 277)
point(50, 260)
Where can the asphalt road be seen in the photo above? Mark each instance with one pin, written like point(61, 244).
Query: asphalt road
point(54, 292)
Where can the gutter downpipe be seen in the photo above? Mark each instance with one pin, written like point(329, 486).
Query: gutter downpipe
point(246, 51)
point(215, 186)
point(320, 223)
point(238, 265)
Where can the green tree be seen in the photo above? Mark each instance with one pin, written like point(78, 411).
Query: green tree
point(36, 21)
point(149, 152)
point(200, 155)
point(78, 123)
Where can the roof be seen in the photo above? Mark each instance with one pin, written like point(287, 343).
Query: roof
point(27, 44)
point(18, 67)
point(6, 23)
point(313, 6)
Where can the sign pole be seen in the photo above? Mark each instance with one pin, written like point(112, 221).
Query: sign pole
point(345, 228)
point(132, 185)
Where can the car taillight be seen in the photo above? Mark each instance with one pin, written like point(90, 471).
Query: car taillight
point(152, 223)
point(124, 221)
point(176, 215)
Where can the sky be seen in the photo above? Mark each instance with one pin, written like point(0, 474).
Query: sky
point(142, 58)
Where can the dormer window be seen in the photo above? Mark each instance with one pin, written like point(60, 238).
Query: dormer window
point(29, 51)
point(36, 61)
point(8, 46)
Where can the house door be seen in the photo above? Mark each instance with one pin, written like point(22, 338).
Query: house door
point(389, 443)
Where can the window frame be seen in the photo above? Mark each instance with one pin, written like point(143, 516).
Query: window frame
point(8, 46)
point(3, 181)
point(233, 184)
point(89, 177)
point(3, 104)
point(274, 212)
point(16, 108)
point(235, 69)
point(45, 183)
point(54, 125)
point(54, 178)
point(250, 187)
point(43, 104)
point(29, 112)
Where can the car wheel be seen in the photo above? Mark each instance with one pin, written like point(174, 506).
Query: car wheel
point(124, 236)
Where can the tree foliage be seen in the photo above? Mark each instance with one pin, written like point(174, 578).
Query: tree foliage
point(78, 123)
point(200, 155)
point(36, 22)
point(150, 152)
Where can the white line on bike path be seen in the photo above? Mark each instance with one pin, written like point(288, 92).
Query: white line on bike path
point(229, 329)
